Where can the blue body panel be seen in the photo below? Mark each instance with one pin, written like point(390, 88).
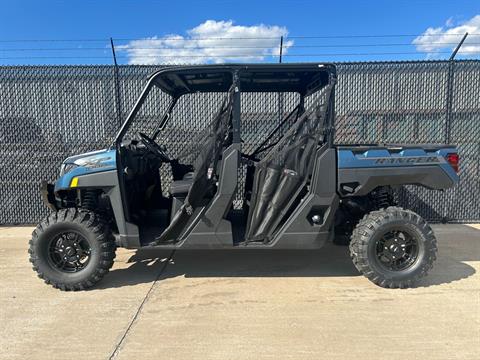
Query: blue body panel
point(350, 158)
point(88, 163)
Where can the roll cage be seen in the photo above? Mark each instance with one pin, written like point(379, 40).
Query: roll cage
point(176, 81)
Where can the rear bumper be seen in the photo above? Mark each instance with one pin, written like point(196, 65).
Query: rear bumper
point(48, 196)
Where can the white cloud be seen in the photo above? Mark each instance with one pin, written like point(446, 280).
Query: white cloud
point(210, 42)
point(434, 40)
point(450, 22)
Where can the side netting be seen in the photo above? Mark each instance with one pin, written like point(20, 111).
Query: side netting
point(209, 145)
point(284, 171)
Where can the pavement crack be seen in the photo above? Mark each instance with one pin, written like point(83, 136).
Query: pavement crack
point(116, 351)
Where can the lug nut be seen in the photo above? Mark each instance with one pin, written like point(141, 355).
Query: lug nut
point(317, 219)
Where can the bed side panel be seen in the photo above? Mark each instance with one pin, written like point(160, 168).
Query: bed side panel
point(360, 172)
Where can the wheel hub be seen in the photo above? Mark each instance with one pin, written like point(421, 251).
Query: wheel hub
point(69, 252)
point(396, 250)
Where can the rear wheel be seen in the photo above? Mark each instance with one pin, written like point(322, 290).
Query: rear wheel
point(72, 249)
point(393, 247)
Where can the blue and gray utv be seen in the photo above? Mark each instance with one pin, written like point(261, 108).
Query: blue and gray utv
point(298, 189)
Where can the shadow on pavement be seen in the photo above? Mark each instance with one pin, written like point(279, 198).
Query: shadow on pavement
point(331, 261)
point(142, 270)
point(146, 264)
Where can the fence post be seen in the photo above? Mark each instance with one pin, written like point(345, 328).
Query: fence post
point(450, 76)
point(280, 95)
point(281, 50)
point(448, 109)
point(116, 78)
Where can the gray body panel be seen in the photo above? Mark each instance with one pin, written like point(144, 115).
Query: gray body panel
point(430, 176)
point(211, 231)
point(361, 169)
point(128, 235)
point(298, 231)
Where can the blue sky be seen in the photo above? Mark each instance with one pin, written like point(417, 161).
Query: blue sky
point(188, 22)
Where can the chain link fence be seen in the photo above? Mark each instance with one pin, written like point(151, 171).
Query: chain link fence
point(50, 112)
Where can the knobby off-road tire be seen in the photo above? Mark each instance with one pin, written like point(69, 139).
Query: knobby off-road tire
point(72, 249)
point(382, 236)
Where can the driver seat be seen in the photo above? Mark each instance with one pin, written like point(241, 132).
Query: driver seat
point(180, 188)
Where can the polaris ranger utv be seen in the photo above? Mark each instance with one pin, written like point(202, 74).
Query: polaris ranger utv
point(299, 188)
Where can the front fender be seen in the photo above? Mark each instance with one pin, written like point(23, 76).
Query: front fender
point(89, 163)
point(108, 182)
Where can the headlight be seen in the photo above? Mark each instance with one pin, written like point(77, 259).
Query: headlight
point(66, 168)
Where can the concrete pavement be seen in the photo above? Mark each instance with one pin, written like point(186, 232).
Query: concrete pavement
point(243, 305)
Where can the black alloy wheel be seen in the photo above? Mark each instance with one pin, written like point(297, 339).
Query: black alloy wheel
point(69, 252)
point(397, 250)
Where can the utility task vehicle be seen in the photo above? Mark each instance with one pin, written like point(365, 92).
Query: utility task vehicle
point(297, 189)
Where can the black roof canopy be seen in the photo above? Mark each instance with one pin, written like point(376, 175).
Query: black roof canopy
point(302, 78)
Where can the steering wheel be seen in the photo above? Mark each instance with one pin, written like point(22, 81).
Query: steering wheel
point(154, 147)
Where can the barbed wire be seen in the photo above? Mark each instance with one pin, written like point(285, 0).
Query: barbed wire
point(229, 55)
point(122, 48)
point(169, 48)
point(235, 38)
point(374, 36)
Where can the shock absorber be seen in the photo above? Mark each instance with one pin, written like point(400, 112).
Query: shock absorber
point(383, 197)
point(89, 199)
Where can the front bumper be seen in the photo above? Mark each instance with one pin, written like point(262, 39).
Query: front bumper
point(48, 195)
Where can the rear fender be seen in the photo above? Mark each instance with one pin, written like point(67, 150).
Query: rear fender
point(361, 172)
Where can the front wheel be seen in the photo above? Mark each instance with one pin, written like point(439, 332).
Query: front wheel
point(72, 249)
point(393, 247)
